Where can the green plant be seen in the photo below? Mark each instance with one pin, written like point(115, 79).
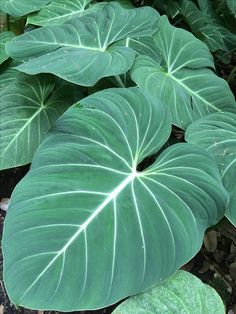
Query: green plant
point(110, 206)
point(181, 293)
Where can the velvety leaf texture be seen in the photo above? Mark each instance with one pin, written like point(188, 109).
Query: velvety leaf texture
point(28, 108)
point(59, 11)
point(21, 7)
point(232, 6)
point(170, 7)
point(181, 293)
point(8, 73)
point(183, 80)
point(4, 38)
point(201, 24)
point(217, 134)
point(142, 46)
point(81, 50)
point(84, 216)
point(209, 10)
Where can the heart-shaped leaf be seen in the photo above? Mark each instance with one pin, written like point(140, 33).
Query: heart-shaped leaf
point(4, 38)
point(21, 7)
point(183, 81)
point(181, 293)
point(29, 106)
point(217, 134)
point(59, 11)
point(84, 219)
point(81, 51)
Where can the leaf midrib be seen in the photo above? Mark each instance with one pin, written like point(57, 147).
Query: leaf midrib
point(61, 45)
point(58, 17)
point(83, 227)
point(195, 94)
point(23, 128)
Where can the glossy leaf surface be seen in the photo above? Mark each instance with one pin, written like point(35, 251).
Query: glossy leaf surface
point(217, 134)
point(181, 293)
point(183, 80)
point(84, 216)
point(81, 51)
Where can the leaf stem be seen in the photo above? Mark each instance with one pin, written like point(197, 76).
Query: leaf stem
point(119, 81)
point(224, 55)
point(232, 74)
point(8, 22)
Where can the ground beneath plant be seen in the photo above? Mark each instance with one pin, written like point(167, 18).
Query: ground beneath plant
point(215, 264)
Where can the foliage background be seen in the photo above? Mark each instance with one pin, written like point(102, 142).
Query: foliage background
point(215, 263)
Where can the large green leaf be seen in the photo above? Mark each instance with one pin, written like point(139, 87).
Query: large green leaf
point(88, 227)
point(232, 6)
point(169, 7)
point(29, 106)
point(8, 73)
point(21, 7)
point(201, 25)
point(221, 21)
point(4, 38)
point(81, 51)
point(211, 22)
point(59, 11)
point(217, 134)
point(183, 81)
point(143, 46)
point(181, 293)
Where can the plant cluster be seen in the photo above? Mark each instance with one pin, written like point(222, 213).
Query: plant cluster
point(114, 203)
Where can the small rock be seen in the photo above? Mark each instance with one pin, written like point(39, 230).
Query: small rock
point(210, 241)
point(233, 248)
point(219, 256)
point(4, 203)
point(232, 310)
point(232, 270)
point(228, 277)
point(205, 267)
